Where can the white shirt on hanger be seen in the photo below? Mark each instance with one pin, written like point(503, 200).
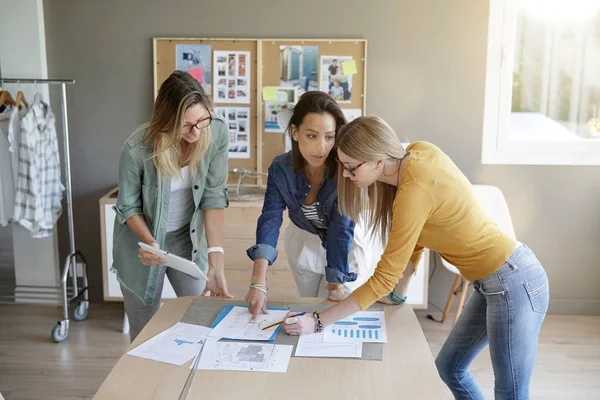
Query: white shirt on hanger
point(39, 187)
point(7, 184)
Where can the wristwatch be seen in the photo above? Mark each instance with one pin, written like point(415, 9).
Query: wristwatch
point(318, 324)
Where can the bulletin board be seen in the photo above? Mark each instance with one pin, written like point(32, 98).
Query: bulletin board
point(274, 73)
point(300, 64)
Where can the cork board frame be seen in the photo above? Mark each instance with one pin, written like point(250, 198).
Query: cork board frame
point(265, 71)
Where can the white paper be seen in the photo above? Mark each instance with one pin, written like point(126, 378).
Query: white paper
point(237, 325)
point(352, 113)
point(177, 345)
point(231, 83)
point(238, 122)
point(363, 326)
point(313, 346)
point(238, 356)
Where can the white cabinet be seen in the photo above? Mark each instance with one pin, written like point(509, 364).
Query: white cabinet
point(112, 289)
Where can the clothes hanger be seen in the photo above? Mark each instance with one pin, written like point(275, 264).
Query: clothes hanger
point(21, 98)
point(6, 98)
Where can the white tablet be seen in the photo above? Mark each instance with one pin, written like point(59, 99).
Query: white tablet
point(173, 261)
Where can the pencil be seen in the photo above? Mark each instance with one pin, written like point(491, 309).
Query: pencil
point(281, 322)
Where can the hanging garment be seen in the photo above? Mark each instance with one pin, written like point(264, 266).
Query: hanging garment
point(7, 183)
point(39, 187)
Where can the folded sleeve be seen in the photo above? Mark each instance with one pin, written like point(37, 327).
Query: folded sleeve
point(215, 189)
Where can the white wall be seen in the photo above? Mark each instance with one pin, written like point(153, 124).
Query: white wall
point(23, 55)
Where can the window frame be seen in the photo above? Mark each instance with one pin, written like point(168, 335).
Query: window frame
point(497, 147)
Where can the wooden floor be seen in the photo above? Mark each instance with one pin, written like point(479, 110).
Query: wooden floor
point(33, 367)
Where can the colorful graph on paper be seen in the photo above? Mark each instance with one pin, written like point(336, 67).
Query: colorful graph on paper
point(364, 326)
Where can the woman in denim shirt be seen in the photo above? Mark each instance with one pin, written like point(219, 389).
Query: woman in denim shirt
point(324, 251)
point(172, 192)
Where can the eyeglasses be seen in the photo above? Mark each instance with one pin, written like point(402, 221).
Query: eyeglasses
point(203, 123)
point(350, 170)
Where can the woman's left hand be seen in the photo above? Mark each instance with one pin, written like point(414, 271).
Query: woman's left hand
point(302, 325)
point(217, 283)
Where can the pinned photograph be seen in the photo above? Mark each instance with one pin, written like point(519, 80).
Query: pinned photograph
point(299, 67)
point(332, 79)
point(233, 66)
point(222, 93)
point(239, 130)
point(242, 65)
point(279, 111)
point(277, 116)
point(195, 59)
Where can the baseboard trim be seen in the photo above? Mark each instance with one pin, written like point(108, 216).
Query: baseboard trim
point(38, 295)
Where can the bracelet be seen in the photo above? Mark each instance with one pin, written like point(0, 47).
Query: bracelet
point(262, 285)
point(396, 299)
point(318, 324)
point(259, 288)
point(216, 250)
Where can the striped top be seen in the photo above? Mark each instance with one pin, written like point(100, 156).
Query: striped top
point(311, 214)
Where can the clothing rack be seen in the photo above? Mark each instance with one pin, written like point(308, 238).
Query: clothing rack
point(61, 331)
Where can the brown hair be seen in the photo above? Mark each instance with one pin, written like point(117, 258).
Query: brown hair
point(177, 93)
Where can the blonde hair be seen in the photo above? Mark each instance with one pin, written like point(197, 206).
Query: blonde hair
point(177, 93)
point(368, 139)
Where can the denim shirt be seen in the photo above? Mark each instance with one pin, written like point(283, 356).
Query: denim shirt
point(286, 189)
point(143, 192)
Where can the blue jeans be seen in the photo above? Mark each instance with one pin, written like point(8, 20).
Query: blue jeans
point(506, 311)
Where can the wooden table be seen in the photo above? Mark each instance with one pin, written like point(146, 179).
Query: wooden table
point(406, 372)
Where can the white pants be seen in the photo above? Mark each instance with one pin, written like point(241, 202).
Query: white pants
point(307, 260)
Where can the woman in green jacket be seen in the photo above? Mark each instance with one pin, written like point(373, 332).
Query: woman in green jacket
point(172, 192)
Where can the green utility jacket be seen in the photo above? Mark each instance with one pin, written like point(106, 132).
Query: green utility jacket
point(143, 192)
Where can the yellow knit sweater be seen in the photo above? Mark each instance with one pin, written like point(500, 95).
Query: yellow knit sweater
point(435, 208)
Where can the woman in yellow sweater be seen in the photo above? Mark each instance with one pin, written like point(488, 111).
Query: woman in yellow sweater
point(419, 198)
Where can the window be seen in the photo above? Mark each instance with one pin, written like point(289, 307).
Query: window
point(542, 101)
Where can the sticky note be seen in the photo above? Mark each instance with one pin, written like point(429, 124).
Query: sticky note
point(349, 67)
point(269, 93)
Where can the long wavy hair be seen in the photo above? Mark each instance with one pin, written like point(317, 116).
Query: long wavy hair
point(177, 93)
point(368, 139)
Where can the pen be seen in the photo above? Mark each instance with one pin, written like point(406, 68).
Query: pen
point(281, 322)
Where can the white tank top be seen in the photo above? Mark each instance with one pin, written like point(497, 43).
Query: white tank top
point(181, 201)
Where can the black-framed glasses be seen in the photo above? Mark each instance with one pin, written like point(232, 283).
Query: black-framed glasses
point(350, 170)
point(201, 124)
